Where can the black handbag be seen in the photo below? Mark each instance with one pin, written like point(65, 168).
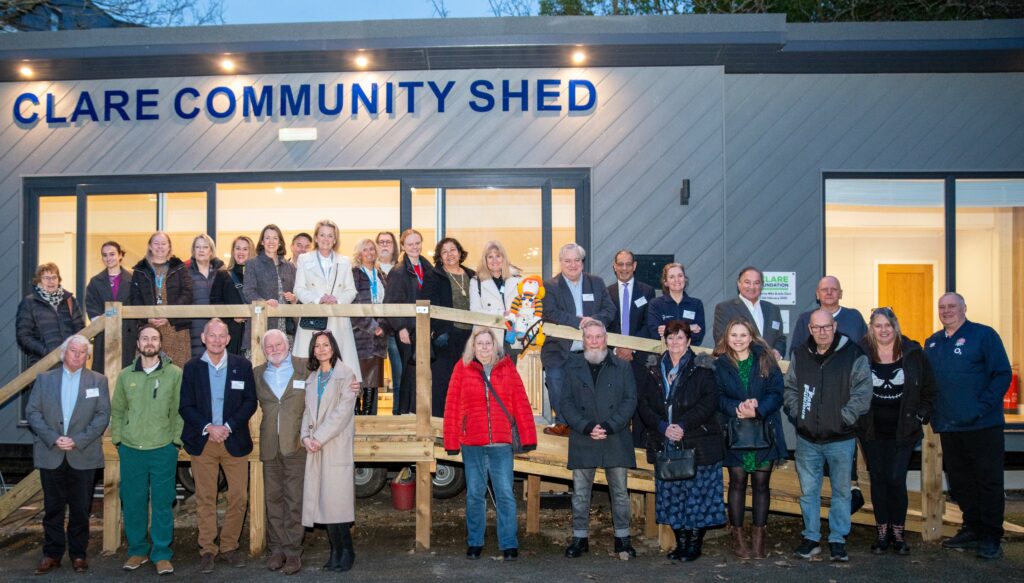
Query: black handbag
point(748, 434)
point(674, 462)
point(517, 443)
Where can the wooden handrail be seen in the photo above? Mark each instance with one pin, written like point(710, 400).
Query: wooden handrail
point(28, 376)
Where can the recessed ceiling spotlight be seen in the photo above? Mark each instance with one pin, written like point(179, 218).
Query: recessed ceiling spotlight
point(579, 57)
point(227, 64)
point(362, 62)
point(26, 71)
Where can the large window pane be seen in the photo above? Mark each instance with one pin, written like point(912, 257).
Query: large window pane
point(184, 218)
point(361, 210)
point(990, 257)
point(128, 219)
point(424, 218)
point(57, 218)
point(511, 216)
point(884, 240)
point(563, 222)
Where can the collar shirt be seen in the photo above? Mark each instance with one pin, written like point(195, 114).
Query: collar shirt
point(218, 382)
point(576, 289)
point(277, 377)
point(756, 313)
point(69, 382)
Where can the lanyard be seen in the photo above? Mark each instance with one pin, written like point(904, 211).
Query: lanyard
point(372, 274)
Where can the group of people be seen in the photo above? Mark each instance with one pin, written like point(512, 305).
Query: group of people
point(847, 380)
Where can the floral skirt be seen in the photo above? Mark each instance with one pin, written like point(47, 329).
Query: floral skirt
point(694, 503)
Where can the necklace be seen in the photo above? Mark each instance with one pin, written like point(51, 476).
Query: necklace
point(461, 282)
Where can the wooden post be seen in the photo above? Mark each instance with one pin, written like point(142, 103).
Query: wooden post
point(112, 469)
point(532, 504)
point(424, 482)
point(257, 501)
point(636, 505)
point(650, 517)
point(933, 504)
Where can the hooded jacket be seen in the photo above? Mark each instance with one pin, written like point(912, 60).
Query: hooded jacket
point(826, 394)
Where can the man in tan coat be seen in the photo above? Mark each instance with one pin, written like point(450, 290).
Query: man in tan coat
point(281, 390)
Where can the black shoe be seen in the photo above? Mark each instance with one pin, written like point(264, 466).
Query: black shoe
point(838, 552)
point(622, 545)
point(510, 554)
point(347, 555)
point(473, 553)
point(682, 540)
point(963, 539)
point(694, 546)
point(989, 549)
point(881, 544)
point(807, 549)
point(578, 546)
point(334, 538)
point(899, 544)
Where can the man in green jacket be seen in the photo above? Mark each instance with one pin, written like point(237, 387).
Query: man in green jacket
point(146, 428)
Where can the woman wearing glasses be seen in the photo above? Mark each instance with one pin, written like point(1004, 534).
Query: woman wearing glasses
point(903, 397)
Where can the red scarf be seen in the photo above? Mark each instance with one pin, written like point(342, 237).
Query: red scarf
point(419, 274)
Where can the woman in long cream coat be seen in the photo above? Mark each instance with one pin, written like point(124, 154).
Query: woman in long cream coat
point(324, 277)
point(328, 429)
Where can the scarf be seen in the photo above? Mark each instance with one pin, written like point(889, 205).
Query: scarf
point(53, 299)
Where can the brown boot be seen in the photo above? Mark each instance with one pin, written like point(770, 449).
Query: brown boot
point(740, 543)
point(758, 542)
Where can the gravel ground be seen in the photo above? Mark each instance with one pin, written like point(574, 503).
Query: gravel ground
point(384, 552)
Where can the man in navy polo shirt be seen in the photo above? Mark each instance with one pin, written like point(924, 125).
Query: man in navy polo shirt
point(973, 373)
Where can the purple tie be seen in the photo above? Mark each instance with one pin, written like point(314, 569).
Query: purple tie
point(625, 309)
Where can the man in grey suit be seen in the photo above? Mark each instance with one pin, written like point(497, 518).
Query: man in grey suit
point(748, 305)
point(573, 299)
point(68, 410)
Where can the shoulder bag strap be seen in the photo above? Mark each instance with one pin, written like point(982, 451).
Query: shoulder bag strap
point(487, 382)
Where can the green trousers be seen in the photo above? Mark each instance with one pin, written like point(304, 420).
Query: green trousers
point(148, 477)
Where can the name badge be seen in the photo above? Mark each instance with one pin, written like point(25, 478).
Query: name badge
point(776, 325)
point(588, 297)
point(689, 314)
point(300, 385)
point(640, 302)
point(92, 393)
point(237, 385)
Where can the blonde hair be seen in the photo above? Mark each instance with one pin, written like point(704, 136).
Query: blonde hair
point(209, 241)
point(470, 352)
point(482, 272)
point(232, 263)
point(357, 251)
point(326, 223)
point(170, 245)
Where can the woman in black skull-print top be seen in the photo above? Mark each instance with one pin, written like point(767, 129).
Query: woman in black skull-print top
point(902, 400)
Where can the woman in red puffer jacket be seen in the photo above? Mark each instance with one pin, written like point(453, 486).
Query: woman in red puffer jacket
point(485, 397)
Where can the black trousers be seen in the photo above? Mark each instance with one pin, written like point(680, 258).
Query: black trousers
point(973, 461)
point(888, 462)
point(66, 491)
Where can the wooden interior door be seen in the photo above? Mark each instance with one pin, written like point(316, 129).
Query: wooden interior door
point(907, 289)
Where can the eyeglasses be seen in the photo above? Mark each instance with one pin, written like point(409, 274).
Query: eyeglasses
point(825, 328)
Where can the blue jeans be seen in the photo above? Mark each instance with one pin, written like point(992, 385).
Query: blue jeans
point(810, 462)
point(554, 379)
point(495, 461)
point(396, 371)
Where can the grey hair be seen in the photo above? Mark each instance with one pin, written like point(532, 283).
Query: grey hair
point(572, 247)
point(272, 332)
point(594, 323)
point(470, 352)
point(212, 321)
point(963, 302)
point(74, 339)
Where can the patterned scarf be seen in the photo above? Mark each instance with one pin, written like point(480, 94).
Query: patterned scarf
point(54, 298)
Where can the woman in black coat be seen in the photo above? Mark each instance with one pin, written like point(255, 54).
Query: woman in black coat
point(678, 401)
point(163, 279)
point(228, 290)
point(269, 277)
point(405, 285)
point(203, 268)
point(448, 288)
point(903, 397)
point(371, 339)
point(113, 284)
point(47, 316)
point(751, 387)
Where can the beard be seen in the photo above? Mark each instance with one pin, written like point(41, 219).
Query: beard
point(595, 355)
point(149, 351)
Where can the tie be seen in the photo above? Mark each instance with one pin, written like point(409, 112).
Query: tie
point(625, 308)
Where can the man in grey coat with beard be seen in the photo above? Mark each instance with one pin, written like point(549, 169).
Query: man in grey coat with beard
point(598, 403)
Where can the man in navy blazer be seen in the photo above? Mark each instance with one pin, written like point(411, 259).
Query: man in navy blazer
point(572, 298)
point(637, 295)
point(218, 396)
